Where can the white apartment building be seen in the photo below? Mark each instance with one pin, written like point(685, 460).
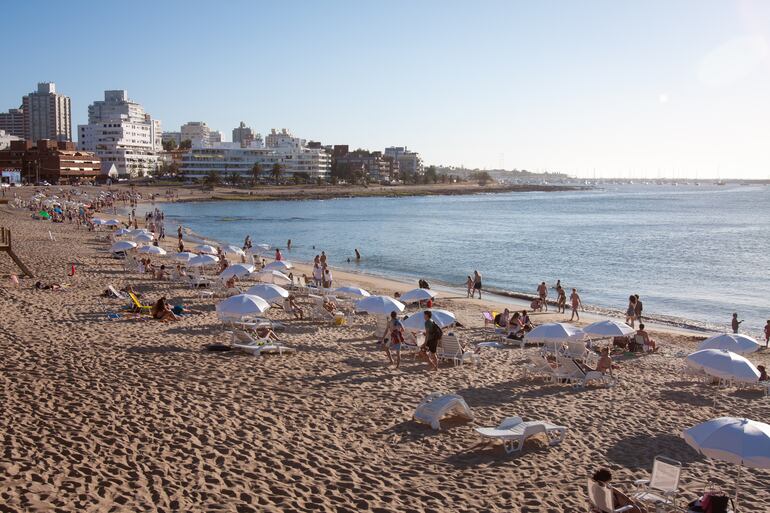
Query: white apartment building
point(227, 158)
point(120, 132)
point(6, 138)
point(408, 161)
point(197, 132)
point(215, 137)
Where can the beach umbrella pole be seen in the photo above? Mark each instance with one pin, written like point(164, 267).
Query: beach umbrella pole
point(737, 486)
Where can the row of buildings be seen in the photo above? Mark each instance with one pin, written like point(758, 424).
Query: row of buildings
point(126, 141)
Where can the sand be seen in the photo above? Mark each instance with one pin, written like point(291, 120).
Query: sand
point(132, 415)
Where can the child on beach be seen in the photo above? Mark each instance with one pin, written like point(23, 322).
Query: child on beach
point(396, 331)
point(736, 324)
point(469, 285)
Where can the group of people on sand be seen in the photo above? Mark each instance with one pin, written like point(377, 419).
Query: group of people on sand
point(516, 325)
point(634, 310)
point(393, 339)
point(322, 273)
point(541, 302)
point(473, 284)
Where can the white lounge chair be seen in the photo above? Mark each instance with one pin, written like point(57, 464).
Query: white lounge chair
point(602, 500)
point(451, 349)
point(537, 366)
point(513, 431)
point(256, 345)
point(575, 349)
point(663, 485)
point(436, 406)
point(117, 293)
point(567, 371)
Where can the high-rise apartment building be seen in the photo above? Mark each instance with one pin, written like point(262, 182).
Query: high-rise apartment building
point(196, 132)
point(120, 132)
point(243, 135)
point(12, 122)
point(47, 115)
point(408, 161)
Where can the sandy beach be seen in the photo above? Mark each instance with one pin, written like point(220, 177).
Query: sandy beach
point(133, 414)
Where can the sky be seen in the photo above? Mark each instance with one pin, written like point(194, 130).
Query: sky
point(592, 88)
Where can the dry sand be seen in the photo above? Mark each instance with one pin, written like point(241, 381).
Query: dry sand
point(132, 415)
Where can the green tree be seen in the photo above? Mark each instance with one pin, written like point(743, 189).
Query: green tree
point(430, 174)
point(481, 176)
point(185, 145)
point(256, 172)
point(169, 145)
point(212, 178)
point(276, 171)
point(234, 178)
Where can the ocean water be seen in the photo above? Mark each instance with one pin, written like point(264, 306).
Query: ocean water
point(695, 253)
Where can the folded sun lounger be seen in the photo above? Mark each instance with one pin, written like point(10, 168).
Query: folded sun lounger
point(513, 431)
point(436, 406)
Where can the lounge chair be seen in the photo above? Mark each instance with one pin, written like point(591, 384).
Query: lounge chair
point(538, 366)
point(117, 293)
point(489, 318)
point(602, 500)
point(663, 484)
point(451, 349)
point(435, 406)
point(513, 431)
point(567, 371)
point(575, 349)
point(139, 306)
point(257, 345)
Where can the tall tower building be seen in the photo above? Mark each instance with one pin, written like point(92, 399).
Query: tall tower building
point(243, 135)
point(47, 115)
point(12, 122)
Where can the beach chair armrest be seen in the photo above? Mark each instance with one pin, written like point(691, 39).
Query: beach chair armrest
point(642, 482)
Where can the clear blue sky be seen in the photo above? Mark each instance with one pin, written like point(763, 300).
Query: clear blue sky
point(622, 88)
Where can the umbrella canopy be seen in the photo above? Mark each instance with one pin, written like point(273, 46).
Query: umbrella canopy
point(734, 342)
point(121, 231)
point(112, 222)
point(276, 277)
point(553, 332)
point(738, 441)
point(416, 321)
point(608, 328)
point(143, 238)
point(95, 221)
point(140, 230)
point(269, 292)
point(202, 261)
point(233, 250)
point(723, 364)
point(152, 250)
point(241, 306)
point(379, 305)
point(279, 265)
point(122, 246)
point(237, 270)
point(352, 292)
point(205, 249)
point(415, 295)
point(183, 257)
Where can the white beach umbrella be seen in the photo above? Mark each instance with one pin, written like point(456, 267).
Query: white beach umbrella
point(723, 364)
point(379, 305)
point(143, 238)
point(202, 261)
point(553, 332)
point(97, 221)
point(279, 265)
point(183, 257)
point(275, 277)
point(140, 230)
point(607, 329)
point(152, 250)
point(352, 292)
point(112, 222)
point(121, 231)
point(735, 342)
point(269, 292)
point(416, 321)
point(742, 442)
point(241, 306)
point(415, 295)
point(231, 250)
point(237, 270)
point(122, 246)
point(205, 249)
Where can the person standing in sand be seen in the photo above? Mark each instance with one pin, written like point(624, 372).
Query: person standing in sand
point(767, 333)
point(561, 299)
point(278, 255)
point(322, 260)
point(469, 285)
point(393, 338)
point(638, 307)
point(433, 336)
point(631, 310)
point(736, 324)
point(542, 293)
point(476, 284)
point(574, 299)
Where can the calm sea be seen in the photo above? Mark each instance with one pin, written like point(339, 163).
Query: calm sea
point(695, 253)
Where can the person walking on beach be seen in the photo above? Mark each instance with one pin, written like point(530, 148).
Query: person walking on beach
point(469, 285)
point(736, 324)
point(433, 336)
point(178, 232)
point(631, 311)
point(476, 284)
point(278, 256)
point(561, 298)
point(393, 338)
point(318, 274)
point(767, 333)
point(638, 307)
point(574, 299)
point(542, 293)
point(323, 258)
